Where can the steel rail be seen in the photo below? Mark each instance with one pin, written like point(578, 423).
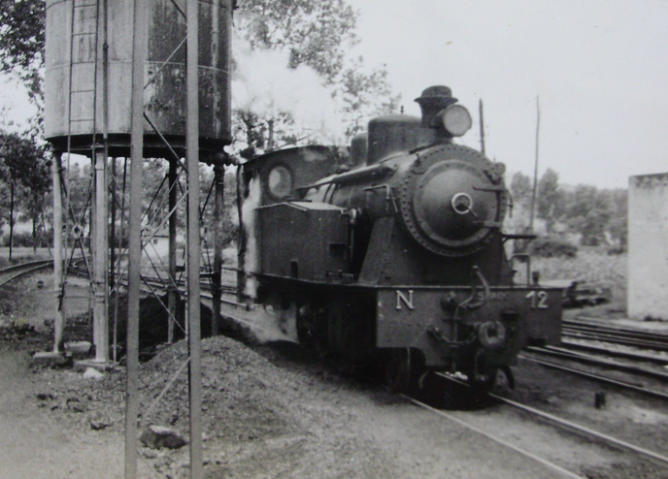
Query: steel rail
point(585, 358)
point(566, 423)
point(601, 379)
point(494, 438)
point(617, 339)
point(607, 327)
point(640, 337)
point(636, 336)
point(179, 283)
point(662, 361)
point(12, 272)
point(583, 429)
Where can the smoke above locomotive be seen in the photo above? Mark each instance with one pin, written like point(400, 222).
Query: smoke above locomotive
point(396, 253)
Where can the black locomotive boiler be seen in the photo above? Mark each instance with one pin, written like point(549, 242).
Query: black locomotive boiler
point(396, 254)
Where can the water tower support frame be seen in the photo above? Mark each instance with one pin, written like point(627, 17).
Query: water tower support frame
point(59, 323)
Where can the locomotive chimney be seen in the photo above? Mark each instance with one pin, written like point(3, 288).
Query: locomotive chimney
point(433, 100)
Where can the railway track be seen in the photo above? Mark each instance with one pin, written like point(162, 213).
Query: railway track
point(634, 369)
point(592, 435)
point(12, 272)
point(578, 330)
point(205, 284)
point(625, 354)
point(630, 373)
point(631, 363)
point(639, 388)
point(495, 438)
point(596, 331)
point(637, 363)
point(564, 423)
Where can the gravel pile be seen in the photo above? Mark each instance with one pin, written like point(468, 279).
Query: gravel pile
point(260, 419)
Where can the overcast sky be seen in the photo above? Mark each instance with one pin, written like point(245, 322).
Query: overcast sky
point(600, 68)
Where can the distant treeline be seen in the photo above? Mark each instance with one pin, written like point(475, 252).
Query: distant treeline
point(582, 214)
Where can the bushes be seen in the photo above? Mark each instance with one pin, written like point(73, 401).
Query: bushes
point(552, 248)
point(25, 239)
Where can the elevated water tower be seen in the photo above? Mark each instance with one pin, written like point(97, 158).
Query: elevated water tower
point(89, 57)
point(139, 78)
point(88, 90)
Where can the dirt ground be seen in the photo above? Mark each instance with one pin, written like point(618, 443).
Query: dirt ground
point(273, 410)
point(261, 419)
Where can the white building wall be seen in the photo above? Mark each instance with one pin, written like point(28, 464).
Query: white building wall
point(648, 246)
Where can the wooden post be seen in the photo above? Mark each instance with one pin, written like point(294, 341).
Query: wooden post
point(535, 170)
point(482, 128)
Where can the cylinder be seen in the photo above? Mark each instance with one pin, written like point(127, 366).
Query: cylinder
point(78, 32)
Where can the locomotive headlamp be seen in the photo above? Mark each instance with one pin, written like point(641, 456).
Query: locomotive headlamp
point(456, 120)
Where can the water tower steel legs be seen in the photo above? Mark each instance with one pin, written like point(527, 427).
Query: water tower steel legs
point(100, 251)
point(59, 324)
point(216, 280)
point(172, 294)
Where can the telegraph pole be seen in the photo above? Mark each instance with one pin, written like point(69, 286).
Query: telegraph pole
point(535, 170)
point(482, 128)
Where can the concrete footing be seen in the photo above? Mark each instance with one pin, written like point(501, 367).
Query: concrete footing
point(51, 359)
point(92, 363)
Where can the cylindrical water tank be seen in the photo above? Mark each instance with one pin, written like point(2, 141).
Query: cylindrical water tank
point(80, 56)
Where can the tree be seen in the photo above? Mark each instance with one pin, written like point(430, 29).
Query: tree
point(521, 189)
point(550, 198)
point(548, 186)
point(597, 215)
point(618, 225)
point(364, 95)
point(26, 173)
point(581, 201)
point(315, 33)
point(22, 35)
point(36, 182)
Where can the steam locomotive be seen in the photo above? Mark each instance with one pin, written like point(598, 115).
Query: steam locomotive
point(396, 253)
